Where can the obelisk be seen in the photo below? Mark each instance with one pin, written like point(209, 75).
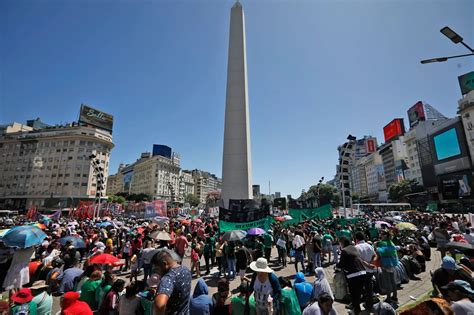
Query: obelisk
point(237, 160)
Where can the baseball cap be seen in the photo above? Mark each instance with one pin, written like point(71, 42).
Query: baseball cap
point(449, 263)
point(459, 285)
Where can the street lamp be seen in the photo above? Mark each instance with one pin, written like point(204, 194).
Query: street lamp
point(455, 38)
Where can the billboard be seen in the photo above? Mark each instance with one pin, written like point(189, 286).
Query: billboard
point(394, 129)
point(370, 146)
point(162, 150)
point(416, 113)
point(466, 82)
point(447, 144)
point(454, 186)
point(97, 118)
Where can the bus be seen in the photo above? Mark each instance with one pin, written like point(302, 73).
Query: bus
point(381, 207)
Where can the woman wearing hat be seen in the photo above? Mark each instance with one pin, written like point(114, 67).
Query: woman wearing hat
point(42, 298)
point(266, 288)
point(23, 303)
point(461, 295)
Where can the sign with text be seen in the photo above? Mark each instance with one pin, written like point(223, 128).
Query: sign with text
point(394, 129)
point(95, 117)
point(225, 226)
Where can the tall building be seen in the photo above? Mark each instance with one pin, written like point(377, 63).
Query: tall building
point(186, 183)
point(394, 159)
point(204, 183)
point(50, 163)
point(237, 161)
point(466, 111)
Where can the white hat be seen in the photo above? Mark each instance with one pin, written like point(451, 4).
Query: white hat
point(261, 265)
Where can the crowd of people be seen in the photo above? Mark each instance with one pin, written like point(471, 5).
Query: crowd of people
point(132, 266)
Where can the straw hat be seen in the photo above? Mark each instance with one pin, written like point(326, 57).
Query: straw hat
point(261, 265)
point(40, 284)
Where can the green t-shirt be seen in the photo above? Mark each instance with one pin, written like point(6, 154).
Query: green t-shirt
point(289, 302)
point(100, 293)
point(88, 293)
point(267, 240)
point(26, 308)
point(327, 237)
point(373, 233)
point(238, 305)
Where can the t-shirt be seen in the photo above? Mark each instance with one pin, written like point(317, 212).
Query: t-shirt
point(147, 254)
point(238, 305)
point(176, 284)
point(463, 307)
point(44, 303)
point(314, 309)
point(262, 290)
point(67, 279)
point(181, 245)
point(88, 293)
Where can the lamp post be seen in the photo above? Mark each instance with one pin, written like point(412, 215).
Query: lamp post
point(455, 38)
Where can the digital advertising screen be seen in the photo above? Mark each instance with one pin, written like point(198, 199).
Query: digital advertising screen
point(393, 129)
point(95, 117)
point(416, 113)
point(447, 144)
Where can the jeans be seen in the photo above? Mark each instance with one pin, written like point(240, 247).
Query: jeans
point(231, 266)
point(207, 258)
point(299, 258)
point(147, 269)
point(335, 253)
point(316, 260)
point(369, 290)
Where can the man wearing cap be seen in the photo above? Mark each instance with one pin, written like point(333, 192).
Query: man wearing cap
point(42, 298)
point(448, 272)
point(459, 293)
point(266, 287)
point(23, 303)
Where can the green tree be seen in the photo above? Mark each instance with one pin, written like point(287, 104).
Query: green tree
point(398, 190)
point(116, 199)
point(192, 199)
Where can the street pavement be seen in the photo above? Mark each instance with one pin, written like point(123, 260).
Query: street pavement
point(412, 290)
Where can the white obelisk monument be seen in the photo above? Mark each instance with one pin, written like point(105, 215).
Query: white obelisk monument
point(237, 159)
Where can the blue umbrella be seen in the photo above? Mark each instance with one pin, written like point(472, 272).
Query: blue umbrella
point(77, 241)
point(104, 224)
point(24, 236)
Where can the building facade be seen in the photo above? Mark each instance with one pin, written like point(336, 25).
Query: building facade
point(394, 160)
point(204, 183)
point(51, 163)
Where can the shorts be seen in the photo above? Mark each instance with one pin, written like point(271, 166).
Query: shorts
point(241, 273)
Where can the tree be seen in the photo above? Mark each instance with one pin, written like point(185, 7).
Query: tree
point(398, 190)
point(116, 199)
point(212, 198)
point(192, 200)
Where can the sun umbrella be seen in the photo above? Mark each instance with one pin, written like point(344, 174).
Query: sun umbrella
point(406, 226)
point(460, 246)
point(197, 220)
point(104, 224)
point(161, 236)
point(40, 226)
point(24, 236)
point(280, 219)
point(235, 235)
point(159, 219)
point(379, 224)
point(77, 242)
point(2, 232)
point(186, 222)
point(287, 217)
point(256, 231)
point(104, 259)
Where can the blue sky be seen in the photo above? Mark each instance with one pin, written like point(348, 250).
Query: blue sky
point(317, 70)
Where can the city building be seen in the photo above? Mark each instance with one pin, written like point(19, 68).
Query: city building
point(204, 183)
point(394, 160)
point(186, 183)
point(466, 111)
point(46, 165)
point(237, 160)
point(256, 191)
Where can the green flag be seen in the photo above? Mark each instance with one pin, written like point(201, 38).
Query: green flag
point(225, 226)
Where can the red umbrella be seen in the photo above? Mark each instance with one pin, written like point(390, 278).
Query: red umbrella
point(281, 219)
point(104, 259)
point(186, 222)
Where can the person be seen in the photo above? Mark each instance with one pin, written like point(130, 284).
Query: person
point(42, 298)
point(68, 277)
point(19, 274)
point(104, 287)
point(367, 255)
point(241, 260)
point(181, 244)
point(229, 251)
point(195, 261)
point(130, 302)
point(388, 261)
point(111, 302)
point(219, 257)
point(298, 246)
point(461, 295)
point(201, 303)
point(268, 243)
point(354, 271)
point(281, 246)
point(383, 308)
point(317, 249)
point(448, 272)
point(53, 274)
point(208, 254)
point(327, 245)
point(221, 300)
point(289, 301)
point(89, 289)
point(23, 303)
point(266, 287)
point(323, 306)
point(147, 255)
point(441, 237)
point(303, 289)
point(147, 296)
point(321, 284)
point(70, 305)
point(243, 301)
point(79, 282)
point(174, 290)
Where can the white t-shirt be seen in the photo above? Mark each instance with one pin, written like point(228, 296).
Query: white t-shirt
point(262, 291)
point(463, 307)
